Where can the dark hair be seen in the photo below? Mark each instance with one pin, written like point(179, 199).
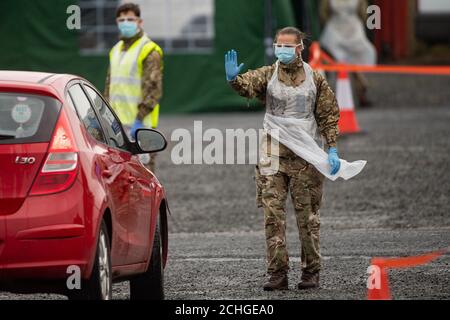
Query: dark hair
point(293, 31)
point(124, 8)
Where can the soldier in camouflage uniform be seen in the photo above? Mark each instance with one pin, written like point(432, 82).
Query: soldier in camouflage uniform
point(294, 174)
point(152, 75)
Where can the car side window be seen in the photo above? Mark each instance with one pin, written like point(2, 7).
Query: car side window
point(86, 113)
point(109, 120)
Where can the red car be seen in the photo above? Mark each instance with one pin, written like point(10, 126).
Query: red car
point(78, 210)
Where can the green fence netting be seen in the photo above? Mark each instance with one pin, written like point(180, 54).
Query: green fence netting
point(35, 38)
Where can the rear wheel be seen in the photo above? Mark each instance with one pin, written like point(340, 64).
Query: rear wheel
point(99, 285)
point(150, 285)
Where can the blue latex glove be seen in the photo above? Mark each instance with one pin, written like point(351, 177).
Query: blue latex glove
point(136, 125)
point(231, 65)
point(333, 160)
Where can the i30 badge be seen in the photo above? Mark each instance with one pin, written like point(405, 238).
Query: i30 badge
point(25, 160)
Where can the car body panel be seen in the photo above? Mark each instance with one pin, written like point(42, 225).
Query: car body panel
point(15, 185)
point(31, 257)
point(142, 193)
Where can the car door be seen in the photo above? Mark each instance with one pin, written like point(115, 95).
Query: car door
point(141, 191)
point(141, 204)
point(112, 165)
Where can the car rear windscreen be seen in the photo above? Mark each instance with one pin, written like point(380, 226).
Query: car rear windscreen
point(27, 118)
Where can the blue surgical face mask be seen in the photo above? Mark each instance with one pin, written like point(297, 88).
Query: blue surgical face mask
point(128, 29)
point(285, 54)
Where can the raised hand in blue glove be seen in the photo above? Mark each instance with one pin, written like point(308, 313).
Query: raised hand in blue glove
point(136, 125)
point(333, 160)
point(231, 65)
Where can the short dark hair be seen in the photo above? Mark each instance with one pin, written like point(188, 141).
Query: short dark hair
point(293, 31)
point(124, 8)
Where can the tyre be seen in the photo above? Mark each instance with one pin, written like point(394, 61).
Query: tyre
point(99, 285)
point(150, 285)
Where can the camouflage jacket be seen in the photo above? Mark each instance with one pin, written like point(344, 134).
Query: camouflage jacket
point(253, 84)
point(151, 78)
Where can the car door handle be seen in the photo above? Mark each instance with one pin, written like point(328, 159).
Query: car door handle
point(106, 174)
point(131, 179)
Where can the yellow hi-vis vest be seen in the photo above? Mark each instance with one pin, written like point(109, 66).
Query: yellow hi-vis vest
point(125, 91)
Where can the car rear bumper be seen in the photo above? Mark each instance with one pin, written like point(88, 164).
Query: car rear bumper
point(45, 237)
point(42, 258)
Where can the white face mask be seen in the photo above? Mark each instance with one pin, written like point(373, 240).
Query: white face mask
point(286, 53)
point(128, 29)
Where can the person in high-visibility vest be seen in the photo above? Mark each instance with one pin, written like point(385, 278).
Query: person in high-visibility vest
point(134, 80)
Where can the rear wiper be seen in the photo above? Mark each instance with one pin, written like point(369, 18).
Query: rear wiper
point(5, 136)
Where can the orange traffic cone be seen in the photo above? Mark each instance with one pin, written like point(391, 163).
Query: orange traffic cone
point(344, 96)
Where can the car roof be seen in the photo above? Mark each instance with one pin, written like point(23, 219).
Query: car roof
point(31, 77)
point(39, 82)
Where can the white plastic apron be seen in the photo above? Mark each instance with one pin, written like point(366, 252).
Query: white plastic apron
point(290, 113)
point(344, 35)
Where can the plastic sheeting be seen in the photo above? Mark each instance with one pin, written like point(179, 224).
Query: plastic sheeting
point(292, 133)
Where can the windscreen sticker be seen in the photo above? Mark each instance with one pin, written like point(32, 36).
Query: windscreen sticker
point(112, 122)
point(21, 113)
point(116, 127)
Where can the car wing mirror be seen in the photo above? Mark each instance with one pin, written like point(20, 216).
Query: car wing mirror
point(150, 140)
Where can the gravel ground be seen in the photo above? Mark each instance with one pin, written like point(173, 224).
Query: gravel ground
point(405, 183)
point(398, 206)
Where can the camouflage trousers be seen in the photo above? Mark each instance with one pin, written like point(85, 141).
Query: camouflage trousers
point(305, 185)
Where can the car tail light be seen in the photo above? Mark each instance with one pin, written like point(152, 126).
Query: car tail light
point(61, 165)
